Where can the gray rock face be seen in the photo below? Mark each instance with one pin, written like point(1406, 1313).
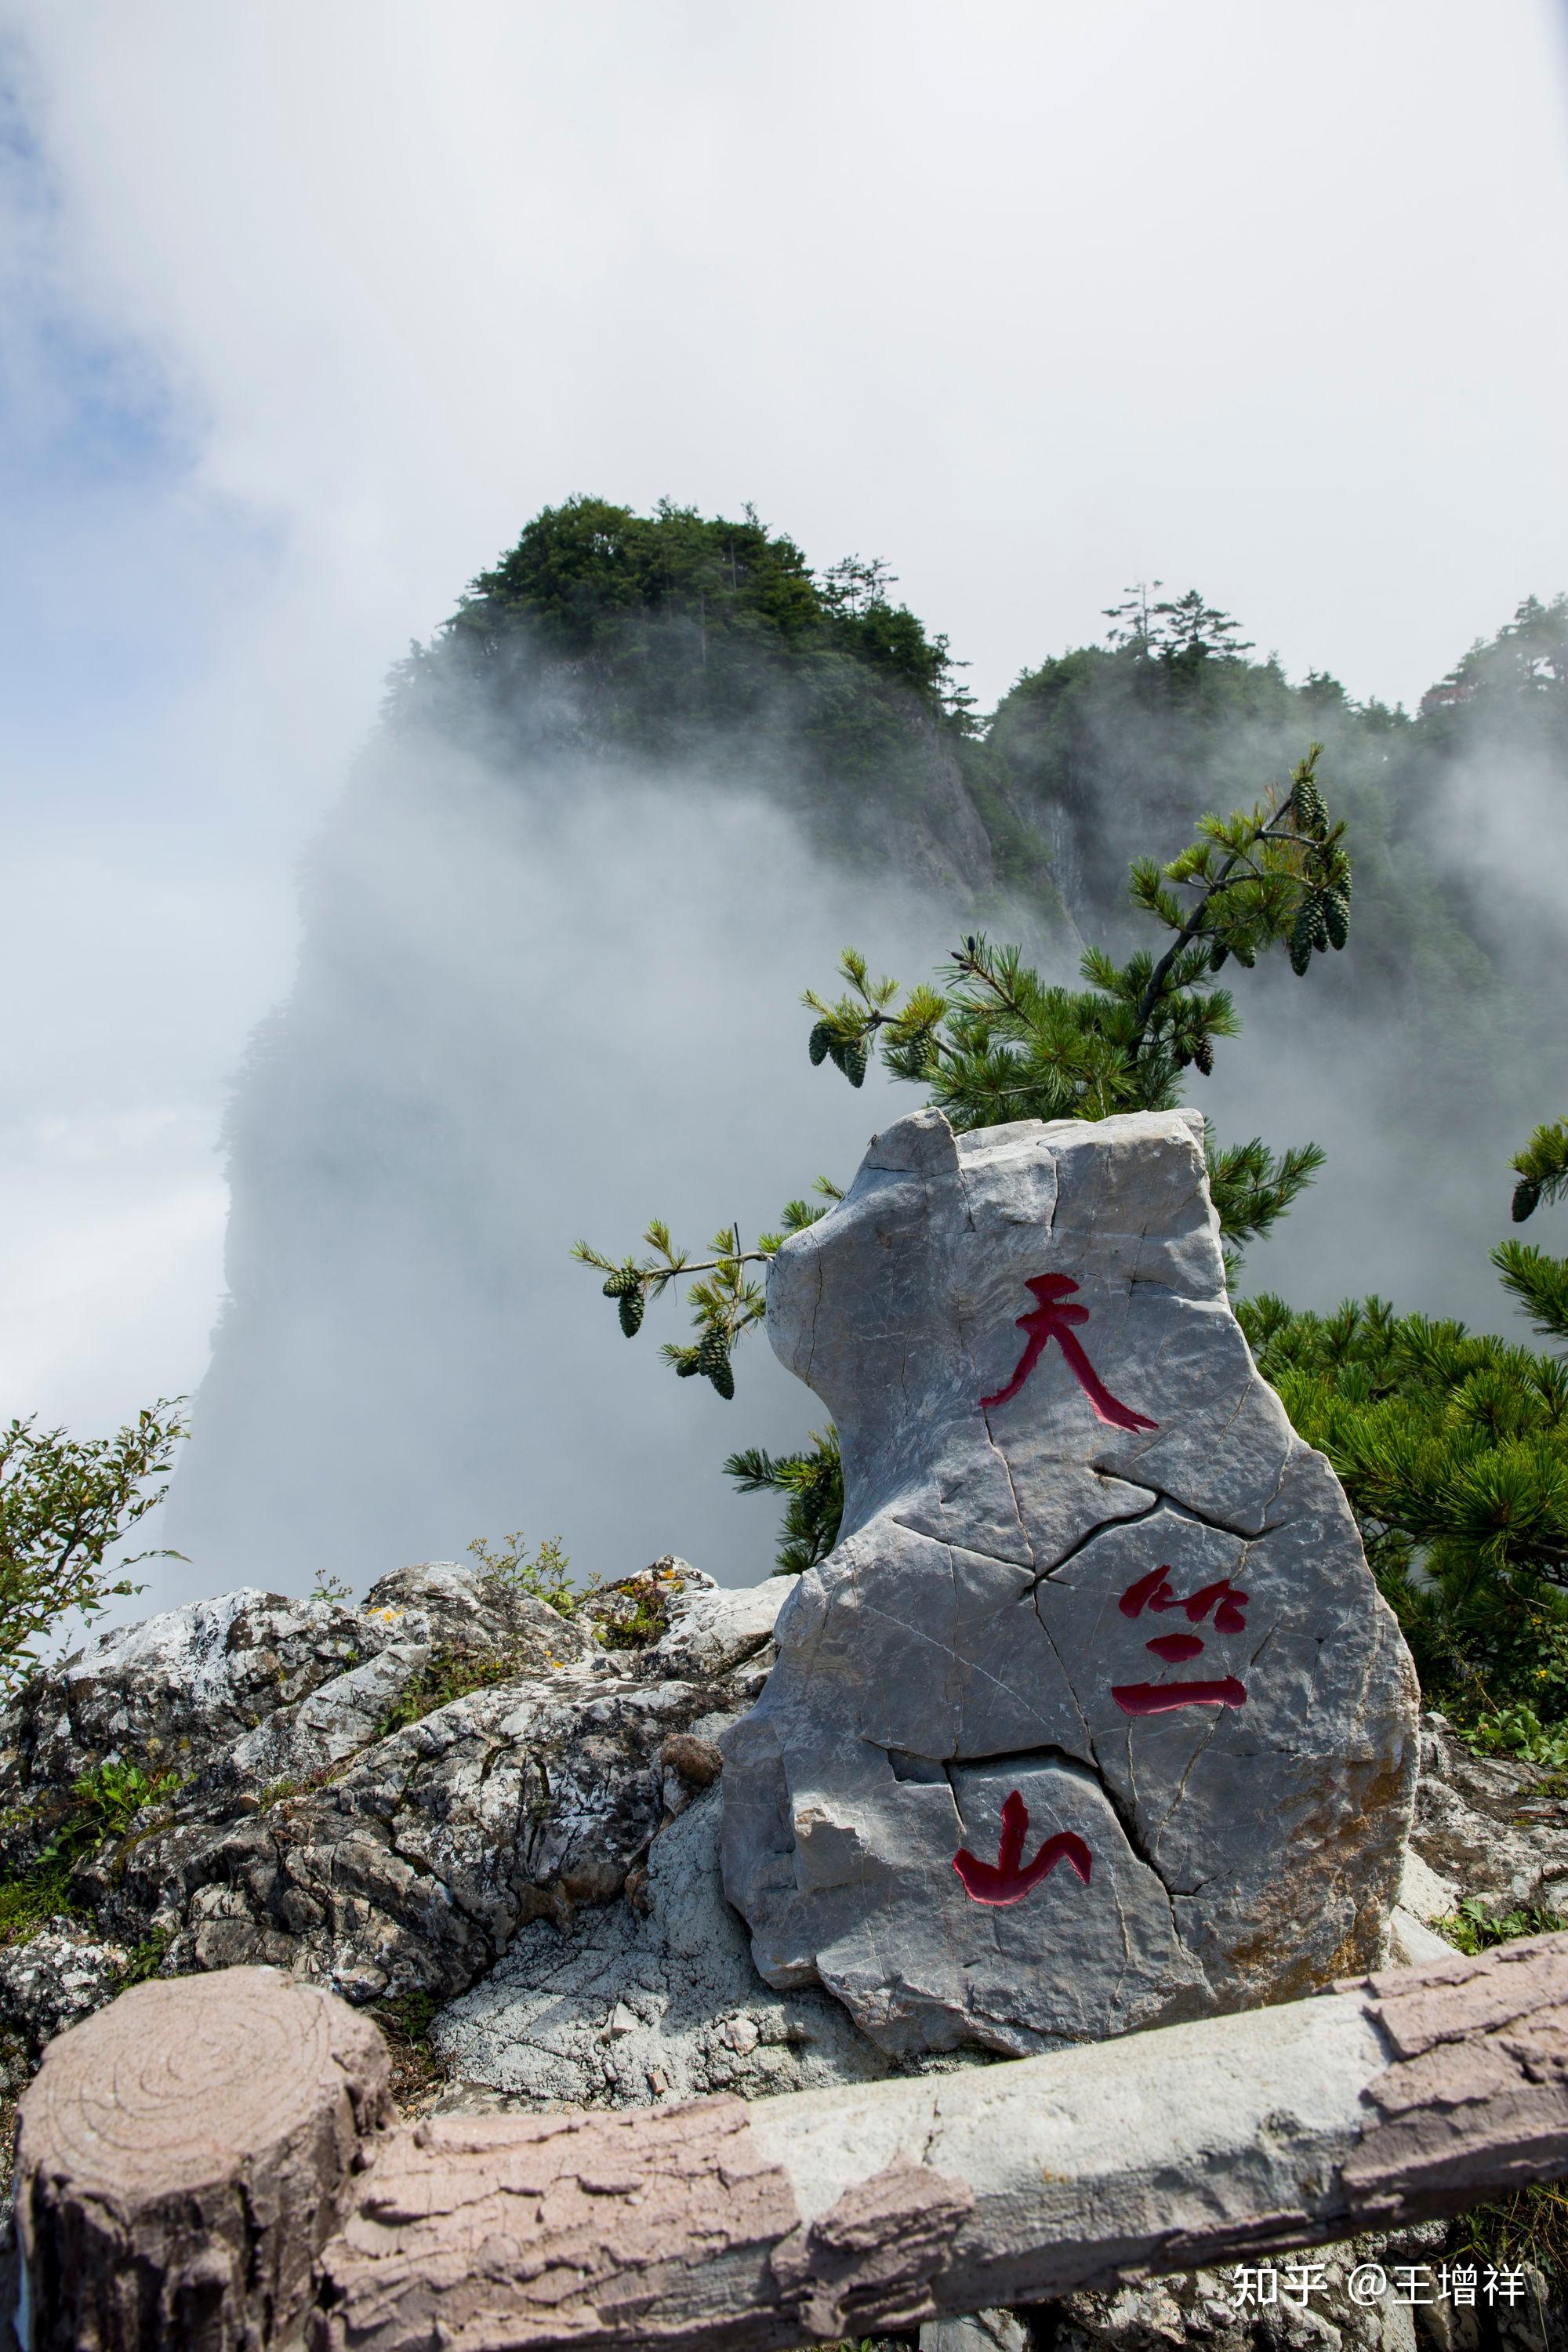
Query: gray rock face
point(665, 2003)
point(379, 1796)
point(1484, 1823)
point(1095, 1718)
point(54, 1979)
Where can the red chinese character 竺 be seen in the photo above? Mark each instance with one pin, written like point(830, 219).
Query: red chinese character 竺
point(1052, 1319)
point(1008, 1879)
point(1153, 1592)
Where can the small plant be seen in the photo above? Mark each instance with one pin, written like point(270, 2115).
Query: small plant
point(405, 2018)
point(103, 1805)
point(110, 1796)
point(1473, 1928)
point(545, 1575)
point(451, 1673)
point(1526, 2225)
point(407, 2015)
point(635, 1613)
point(146, 1959)
point(279, 1792)
point(329, 1589)
point(1518, 1732)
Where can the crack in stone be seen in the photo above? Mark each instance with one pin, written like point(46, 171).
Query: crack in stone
point(1100, 1528)
point(1069, 1684)
point(971, 1551)
point(1013, 1491)
point(956, 1665)
point(1019, 1759)
point(1279, 1485)
point(1127, 1818)
point(1136, 1518)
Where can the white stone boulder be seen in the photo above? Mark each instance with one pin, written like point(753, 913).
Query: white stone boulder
point(1095, 1719)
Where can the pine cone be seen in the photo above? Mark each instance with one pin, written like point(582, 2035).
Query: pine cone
point(1337, 916)
point(1202, 1055)
point(1311, 816)
point(818, 1043)
point(1526, 1199)
point(1217, 954)
point(853, 1062)
point(631, 1311)
point(620, 1282)
point(713, 1360)
point(1304, 935)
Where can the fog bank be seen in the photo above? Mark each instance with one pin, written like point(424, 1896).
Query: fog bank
point(522, 1015)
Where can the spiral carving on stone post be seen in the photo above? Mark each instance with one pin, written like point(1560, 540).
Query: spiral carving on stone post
point(183, 2155)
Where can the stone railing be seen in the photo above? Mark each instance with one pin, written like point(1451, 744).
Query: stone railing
point(210, 2163)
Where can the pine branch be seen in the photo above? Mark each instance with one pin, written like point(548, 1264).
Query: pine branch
point(1540, 1283)
point(1542, 1170)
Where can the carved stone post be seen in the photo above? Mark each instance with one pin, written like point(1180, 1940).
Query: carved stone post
point(181, 2158)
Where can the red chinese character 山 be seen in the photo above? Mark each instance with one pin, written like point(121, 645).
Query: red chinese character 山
point(1009, 1878)
point(1053, 1319)
point(1153, 1592)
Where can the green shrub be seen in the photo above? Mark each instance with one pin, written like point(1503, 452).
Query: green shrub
point(544, 1576)
point(1475, 1928)
point(65, 1503)
point(102, 1806)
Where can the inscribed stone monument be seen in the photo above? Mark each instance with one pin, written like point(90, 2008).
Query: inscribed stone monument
point(1095, 1718)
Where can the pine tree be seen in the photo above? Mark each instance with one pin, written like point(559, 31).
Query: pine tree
point(813, 1483)
point(1453, 1449)
point(994, 1042)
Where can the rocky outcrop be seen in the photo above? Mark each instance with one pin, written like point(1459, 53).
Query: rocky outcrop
point(1095, 1718)
point(576, 1947)
point(1492, 1830)
point(457, 1794)
point(657, 2001)
point(381, 1796)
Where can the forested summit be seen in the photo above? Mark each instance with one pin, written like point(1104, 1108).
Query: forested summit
point(710, 646)
point(675, 639)
point(590, 577)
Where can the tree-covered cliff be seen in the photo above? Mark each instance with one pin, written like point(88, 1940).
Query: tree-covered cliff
point(631, 799)
point(708, 647)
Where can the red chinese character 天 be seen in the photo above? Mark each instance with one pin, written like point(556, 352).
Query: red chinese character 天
point(1153, 1591)
point(1053, 1319)
point(1008, 1879)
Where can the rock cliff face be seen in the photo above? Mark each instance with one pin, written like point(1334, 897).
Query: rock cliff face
point(1095, 1718)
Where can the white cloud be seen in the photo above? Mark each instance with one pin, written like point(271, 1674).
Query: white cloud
point(1033, 299)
